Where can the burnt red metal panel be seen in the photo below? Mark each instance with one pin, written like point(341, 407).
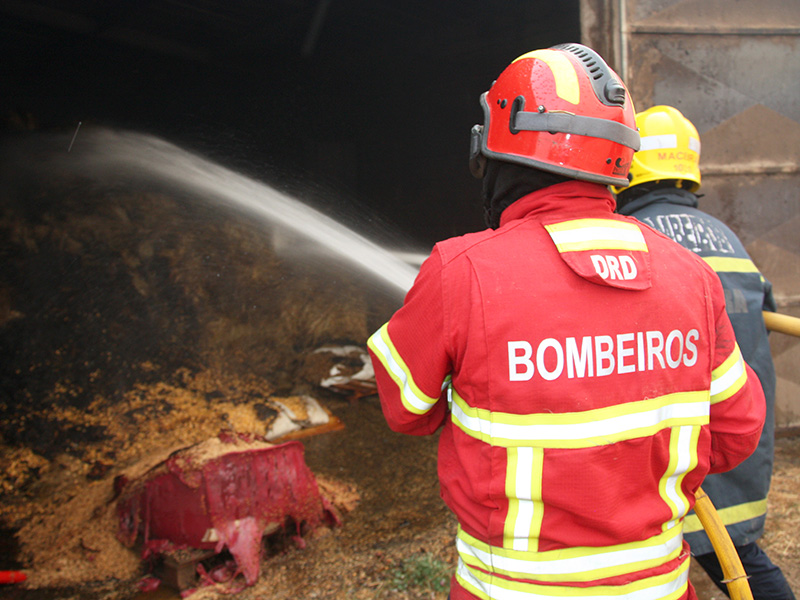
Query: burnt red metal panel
point(225, 501)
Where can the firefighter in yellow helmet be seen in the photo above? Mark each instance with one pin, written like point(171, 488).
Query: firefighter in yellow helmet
point(664, 176)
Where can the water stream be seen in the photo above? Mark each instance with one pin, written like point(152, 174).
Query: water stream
point(129, 155)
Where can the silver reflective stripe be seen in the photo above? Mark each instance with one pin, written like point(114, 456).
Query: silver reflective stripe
point(583, 434)
point(684, 453)
point(667, 141)
point(408, 389)
point(595, 563)
point(590, 234)
point(729, 378)
point(671, 585)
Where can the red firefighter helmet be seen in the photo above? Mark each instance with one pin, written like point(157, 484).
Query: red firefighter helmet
point(561, 110)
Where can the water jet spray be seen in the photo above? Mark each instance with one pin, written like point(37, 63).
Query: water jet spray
point(135, 156)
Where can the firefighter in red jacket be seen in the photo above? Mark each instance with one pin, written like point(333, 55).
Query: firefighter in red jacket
point(582, 367)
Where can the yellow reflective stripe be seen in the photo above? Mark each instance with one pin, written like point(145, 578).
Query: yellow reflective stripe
point(730, 515)
point(596, 234)
point(524, 492)
point(571, 564)
point(413, 399)
point(722, 264)
point(667, 586)
point(682, 459)
point(567, 86)
point(585, 429)
point(729, 377)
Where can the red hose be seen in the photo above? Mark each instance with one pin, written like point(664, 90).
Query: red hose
point(12, 576)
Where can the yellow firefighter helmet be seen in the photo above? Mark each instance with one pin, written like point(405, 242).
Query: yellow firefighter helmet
point(670, 149)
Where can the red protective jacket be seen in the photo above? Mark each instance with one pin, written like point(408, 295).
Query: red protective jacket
point(587, 378)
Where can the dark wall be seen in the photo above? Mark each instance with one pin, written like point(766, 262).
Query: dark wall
point(371, 110)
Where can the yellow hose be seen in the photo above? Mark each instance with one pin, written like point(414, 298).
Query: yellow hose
point(782, 323)
point(732, 569)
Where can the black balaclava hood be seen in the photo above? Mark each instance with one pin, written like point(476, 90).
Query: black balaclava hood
point(505, 183)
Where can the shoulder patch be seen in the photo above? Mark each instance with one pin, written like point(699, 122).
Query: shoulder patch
point(604, 251)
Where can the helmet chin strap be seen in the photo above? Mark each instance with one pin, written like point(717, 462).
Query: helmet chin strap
point(477, 161)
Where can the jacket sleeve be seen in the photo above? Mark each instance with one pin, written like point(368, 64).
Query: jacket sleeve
point(769, 300)
point(738, 408)
point(410, 358)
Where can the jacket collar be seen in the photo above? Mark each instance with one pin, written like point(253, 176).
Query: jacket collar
point(672, 195)
point(570, 199)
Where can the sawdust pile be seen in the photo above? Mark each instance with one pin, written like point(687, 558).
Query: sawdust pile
point(66, 511)
point(72, 538)
point(150, 416)
point(135, 319)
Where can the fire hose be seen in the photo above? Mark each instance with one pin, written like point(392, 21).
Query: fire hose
point(732, 569)
point(782, 323)
point(12, 576)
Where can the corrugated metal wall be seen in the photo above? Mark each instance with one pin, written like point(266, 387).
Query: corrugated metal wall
point(733, 68)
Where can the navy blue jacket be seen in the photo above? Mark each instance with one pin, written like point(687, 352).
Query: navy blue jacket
point(740, 495)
